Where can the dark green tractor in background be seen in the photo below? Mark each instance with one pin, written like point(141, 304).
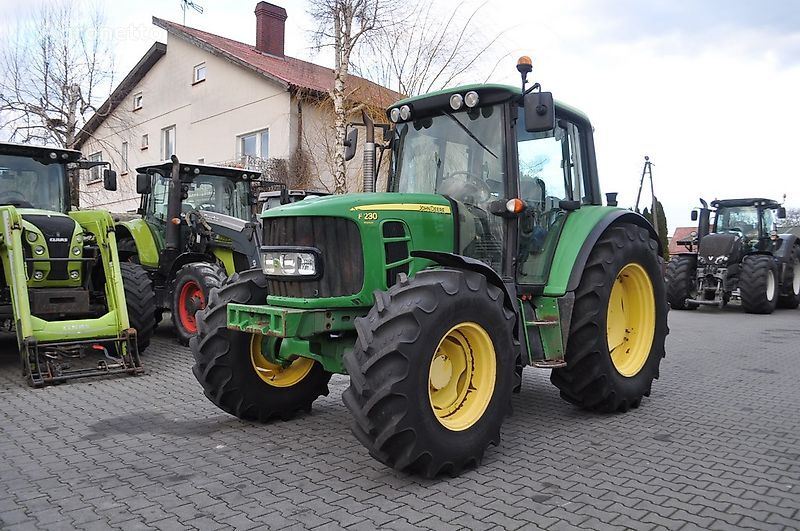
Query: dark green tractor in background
point(741, 258)
point(75, 309)
point(197, 227)
point(491, 250)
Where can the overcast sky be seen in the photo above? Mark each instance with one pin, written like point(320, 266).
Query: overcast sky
point(708, 89)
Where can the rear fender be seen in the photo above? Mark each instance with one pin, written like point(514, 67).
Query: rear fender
point(146, 245)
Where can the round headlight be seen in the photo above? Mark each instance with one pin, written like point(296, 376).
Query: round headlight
point(471, 98)
point(79, 238)
point(405, 112)
point(394, 114)
point(38, 250)
point(38, 275)
point(32, 236)
point(74, 275)
point(76, 251)
point(456, 101)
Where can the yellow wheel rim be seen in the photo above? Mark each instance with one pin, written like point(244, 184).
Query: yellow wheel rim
point(461, 376)
point(276, 375)
point(631, 320)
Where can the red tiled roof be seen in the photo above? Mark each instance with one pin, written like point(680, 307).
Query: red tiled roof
point(288, 71)
point(681, 233)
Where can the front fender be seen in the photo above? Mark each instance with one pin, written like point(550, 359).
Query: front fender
point(580, 233)
point(146, 245)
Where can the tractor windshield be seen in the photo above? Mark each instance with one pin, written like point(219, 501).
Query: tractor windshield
point(459, 154)
point(215, 193)
point(741, 220)
point(28, 183)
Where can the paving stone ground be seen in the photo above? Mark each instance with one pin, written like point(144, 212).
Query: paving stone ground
point(717, 446)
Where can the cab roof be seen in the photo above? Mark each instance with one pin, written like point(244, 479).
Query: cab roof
point(43, 154)
point(489, 93)
point(745, 202)
point(189, 169)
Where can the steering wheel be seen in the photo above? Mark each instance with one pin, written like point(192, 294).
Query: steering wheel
point(8, 198)
point(466, 187)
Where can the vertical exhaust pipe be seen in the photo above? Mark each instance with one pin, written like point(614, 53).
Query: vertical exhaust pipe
point(369, 154)
point(172, 234)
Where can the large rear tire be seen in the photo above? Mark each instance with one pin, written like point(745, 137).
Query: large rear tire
point(619, 324)
point(140, 299)
point(758, 284)
point(190, 293)
point(791, 281)
point(432, 372)
point(681, 276)
point(233, 373)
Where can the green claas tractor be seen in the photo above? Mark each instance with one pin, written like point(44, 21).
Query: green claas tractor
point(196, 228)
point(742, 258)
point(63, 290)
point(489, 251)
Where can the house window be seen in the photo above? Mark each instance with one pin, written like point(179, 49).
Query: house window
point(95, 173)
point(167, 142)
point(124, 153)
point(254, 145)
point(137, 101)
point(145, 141)
point(199, 73)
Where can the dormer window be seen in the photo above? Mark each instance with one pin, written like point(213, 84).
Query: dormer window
point(137, 101)
point(199, 73)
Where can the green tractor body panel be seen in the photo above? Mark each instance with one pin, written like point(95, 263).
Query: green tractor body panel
point(577, 228)
point(428, 225)
point(148, 242)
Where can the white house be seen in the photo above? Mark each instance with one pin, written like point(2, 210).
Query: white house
point(214, 100)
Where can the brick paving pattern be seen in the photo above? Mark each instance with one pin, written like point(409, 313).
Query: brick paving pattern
point(717, 446)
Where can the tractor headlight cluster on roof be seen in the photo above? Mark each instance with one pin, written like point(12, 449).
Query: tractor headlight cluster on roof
point(400, 114)
point(470, 99)
point(298, 263)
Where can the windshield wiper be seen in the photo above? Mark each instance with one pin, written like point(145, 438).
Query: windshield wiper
point(472, 136)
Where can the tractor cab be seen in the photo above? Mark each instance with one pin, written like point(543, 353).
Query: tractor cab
point(750, 219)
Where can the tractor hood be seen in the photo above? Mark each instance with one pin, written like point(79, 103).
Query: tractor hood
point(717, 245)
point(356, 206)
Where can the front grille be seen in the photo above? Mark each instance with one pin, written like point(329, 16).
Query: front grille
point(59, 228)
point(339, 243)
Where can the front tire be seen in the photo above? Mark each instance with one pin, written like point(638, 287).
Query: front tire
point(432, 372)
point(791, 283)
point(233, 373)
point(619, 324)
point(758, 284)
point(190, 293)
point(681, 276)
point(140, 300)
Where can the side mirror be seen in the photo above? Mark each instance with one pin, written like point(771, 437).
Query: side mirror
point(110, 180)
point(350, 143)
point(781, 212)
point(540, 112)
point(143, 184)
point(694, 215)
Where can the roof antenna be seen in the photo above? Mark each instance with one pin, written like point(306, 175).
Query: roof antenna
point(189, 3)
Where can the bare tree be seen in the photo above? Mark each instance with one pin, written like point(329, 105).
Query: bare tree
point(55, 70)
point(430, 50)
point(343, 25)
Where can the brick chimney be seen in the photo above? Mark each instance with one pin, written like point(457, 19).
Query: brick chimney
point(270, 26)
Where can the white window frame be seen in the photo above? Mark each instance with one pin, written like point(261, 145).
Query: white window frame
point(145, 141)
point(138, 98)
point(196, 72)
point(124, 153)
point(258, 133)
point(164, 154)
point(95, 173)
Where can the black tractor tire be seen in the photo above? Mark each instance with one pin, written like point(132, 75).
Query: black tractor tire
point(223, 363)
point(791, 281)
point(591, 378)
point(191, 290)
point(390, 368)
point(758, 284)
point(680, 277)
point(140, 299)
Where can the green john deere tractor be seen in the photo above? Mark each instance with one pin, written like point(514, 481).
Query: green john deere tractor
point(490, 251)
point(63, 290)
point(196, 229)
